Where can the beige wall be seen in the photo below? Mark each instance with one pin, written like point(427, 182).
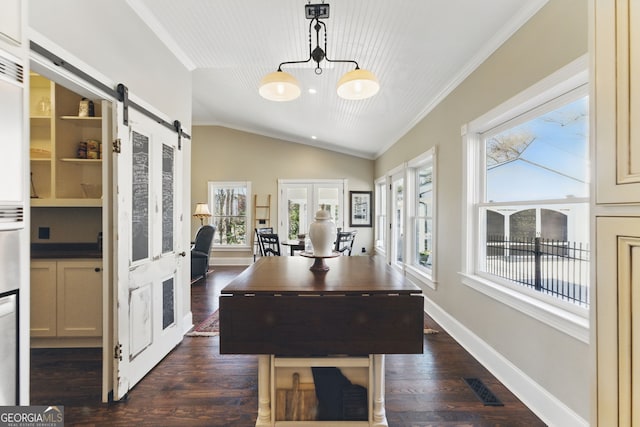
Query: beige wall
point(557, 35)
point(67, 225)
point(223, 154)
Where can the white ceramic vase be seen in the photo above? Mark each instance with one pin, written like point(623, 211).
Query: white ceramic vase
point(322, 233)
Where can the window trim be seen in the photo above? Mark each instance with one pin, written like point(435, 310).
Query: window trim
point(226, 184)
point(573, 321)
point(424, 275)
point(379, 197)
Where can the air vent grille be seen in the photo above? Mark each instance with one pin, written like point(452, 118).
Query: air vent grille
point(9, 214)
point(482, 392)
point(11, 70)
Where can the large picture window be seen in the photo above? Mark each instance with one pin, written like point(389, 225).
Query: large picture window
point(527, 191)
point(534, 204)
point(229, 203)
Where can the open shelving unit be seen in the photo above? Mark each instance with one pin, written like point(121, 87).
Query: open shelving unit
point(58, 177)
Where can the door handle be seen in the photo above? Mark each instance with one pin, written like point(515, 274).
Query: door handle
point(183, 254)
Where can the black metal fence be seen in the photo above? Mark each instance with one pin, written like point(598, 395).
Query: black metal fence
point(554, 267)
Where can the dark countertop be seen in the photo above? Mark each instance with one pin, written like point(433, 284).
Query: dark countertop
point(65, 250)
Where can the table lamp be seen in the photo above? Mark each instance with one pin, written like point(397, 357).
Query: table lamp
point(202, 212)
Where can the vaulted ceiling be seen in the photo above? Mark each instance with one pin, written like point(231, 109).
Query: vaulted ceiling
point(418, 49)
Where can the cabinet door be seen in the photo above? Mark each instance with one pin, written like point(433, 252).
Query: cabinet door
point(80, 298)
point(617, 100)
point(43, 298)
point(11, 21)
point(618, 331)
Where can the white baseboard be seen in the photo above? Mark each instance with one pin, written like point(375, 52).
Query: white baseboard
point(187, 322)
point(213, 261)
point(546, 406)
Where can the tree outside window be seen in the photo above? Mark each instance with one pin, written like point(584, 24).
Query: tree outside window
point(229, 204)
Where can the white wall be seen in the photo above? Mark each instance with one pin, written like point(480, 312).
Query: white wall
point(557, 363)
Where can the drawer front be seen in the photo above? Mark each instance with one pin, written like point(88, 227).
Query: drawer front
point(321, 325)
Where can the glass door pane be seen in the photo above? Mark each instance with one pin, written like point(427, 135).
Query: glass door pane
point(328, 199)
point(299, 202)
point(297, 219)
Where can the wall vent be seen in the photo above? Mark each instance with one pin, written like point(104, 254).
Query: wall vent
point(482, 392)
point(10, 70)
point(11, 217)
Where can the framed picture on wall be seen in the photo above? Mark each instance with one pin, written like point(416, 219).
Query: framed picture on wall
point(360, 203)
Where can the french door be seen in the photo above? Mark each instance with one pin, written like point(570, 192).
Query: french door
point(300, 199)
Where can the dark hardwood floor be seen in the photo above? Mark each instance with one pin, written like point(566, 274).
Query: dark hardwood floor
point(196, 386)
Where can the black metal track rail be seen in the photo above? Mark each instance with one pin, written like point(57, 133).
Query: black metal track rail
point(120, 92)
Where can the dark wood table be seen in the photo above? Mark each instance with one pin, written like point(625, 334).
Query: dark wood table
point(294, 245)
point(360, 308)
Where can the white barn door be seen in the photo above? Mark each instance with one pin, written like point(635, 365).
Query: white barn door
point(147, 216)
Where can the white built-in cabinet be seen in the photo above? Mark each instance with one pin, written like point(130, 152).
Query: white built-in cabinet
point(66, 302)
point(58, 176)
point(11, 22)
point(616, 210)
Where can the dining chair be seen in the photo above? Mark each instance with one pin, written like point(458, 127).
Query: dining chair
point(257, 238)
point(344, 242)
point(269, 244)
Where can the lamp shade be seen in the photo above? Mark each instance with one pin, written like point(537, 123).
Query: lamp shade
point(279, 86)
point(202, 210)
point(358, 84)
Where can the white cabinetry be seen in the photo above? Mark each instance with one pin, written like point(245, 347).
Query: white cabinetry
point(11, 21)
point(616, 132)
point(618, 299)
point(66, 302)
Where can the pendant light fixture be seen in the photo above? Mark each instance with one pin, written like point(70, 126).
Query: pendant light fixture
point(355, 84)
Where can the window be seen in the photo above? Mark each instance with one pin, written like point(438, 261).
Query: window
point(397, 219)
point(380, 227)
point(527, 192)
point(421, 205)
point(229, 203)
point(405, 226)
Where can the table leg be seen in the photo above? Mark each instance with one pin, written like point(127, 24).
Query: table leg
point(264, 391)
point(379, 413)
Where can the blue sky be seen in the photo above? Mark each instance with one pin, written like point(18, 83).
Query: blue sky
point(553, 166)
